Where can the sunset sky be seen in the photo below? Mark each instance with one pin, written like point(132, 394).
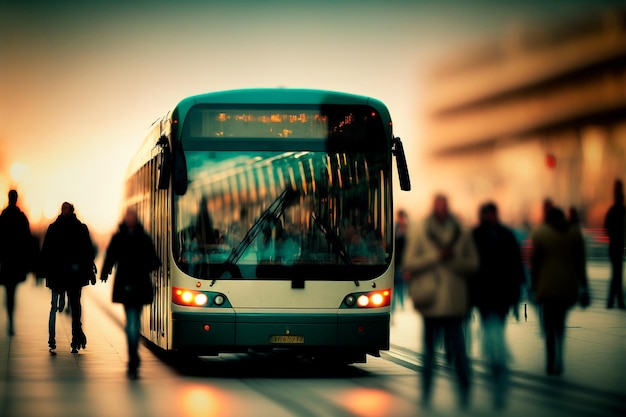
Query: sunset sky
point(80, 82)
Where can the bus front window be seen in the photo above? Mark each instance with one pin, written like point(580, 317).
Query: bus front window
point(284, 214)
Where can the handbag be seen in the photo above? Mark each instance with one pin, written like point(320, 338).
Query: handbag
point(423, 290)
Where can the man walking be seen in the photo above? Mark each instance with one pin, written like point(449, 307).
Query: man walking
point(67, 263)
point(614, 225)
point(15, 249)
point(495, 289)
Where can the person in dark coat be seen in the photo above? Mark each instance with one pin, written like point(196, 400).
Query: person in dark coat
point(402, 224)
point(132, 251)
point(495, 289)
point(558, 274)
point(15, 246)
point(615, 224)
point(67, 263)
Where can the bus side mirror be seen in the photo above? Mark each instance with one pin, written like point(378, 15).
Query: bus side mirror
point(179, 174)
point(165, 164)
point(403, 171)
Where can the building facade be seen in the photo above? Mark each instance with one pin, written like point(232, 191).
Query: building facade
point(536, 114)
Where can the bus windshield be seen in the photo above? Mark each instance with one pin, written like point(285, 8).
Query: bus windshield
point(304, 195)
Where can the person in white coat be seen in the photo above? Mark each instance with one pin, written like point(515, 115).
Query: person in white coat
point(440, 255)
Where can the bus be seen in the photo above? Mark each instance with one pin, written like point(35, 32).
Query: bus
point(272, 213)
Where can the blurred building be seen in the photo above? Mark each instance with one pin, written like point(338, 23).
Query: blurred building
point(538, 113)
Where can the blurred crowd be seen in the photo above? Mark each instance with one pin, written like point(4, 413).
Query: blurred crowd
point(447, 270)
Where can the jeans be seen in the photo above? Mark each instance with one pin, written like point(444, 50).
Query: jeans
point(451, 329)
point(74, 295)
point(615, 288)
point(57, 303)
point(398, 291)
point(553, 319)
point(495, 350)
point(133, 327)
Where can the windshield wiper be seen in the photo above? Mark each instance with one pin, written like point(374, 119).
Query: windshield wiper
point(333, 240)
point(271, 213)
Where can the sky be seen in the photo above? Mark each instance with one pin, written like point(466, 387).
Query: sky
point(81, 82)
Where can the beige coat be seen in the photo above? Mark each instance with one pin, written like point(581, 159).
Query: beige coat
point(421, 258)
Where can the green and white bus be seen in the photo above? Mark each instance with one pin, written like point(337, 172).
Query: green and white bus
point(272, 211)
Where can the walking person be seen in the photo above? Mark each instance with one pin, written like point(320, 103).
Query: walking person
point(614, 223)
point(132, 251)
point(495, 289)
point(67, 263)
point(15, 252)
point(402, 224)
point(558, 274)
point(440, 254)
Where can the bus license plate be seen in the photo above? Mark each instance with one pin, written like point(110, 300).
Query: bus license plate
point(287, 339)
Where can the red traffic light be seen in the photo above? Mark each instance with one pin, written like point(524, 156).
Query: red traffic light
point(550, 160)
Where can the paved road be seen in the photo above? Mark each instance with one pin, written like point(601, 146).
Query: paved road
point(92, 383)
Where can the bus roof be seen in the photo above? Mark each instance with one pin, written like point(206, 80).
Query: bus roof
point(254, 96)
point(279, 96)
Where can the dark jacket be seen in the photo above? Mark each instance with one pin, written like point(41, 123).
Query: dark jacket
point(614, 223)
point(558, 268)
point(67, 254)
point(134, 255)
point(15, 246)
point(497, 284)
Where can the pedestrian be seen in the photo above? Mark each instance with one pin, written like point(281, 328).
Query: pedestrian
point(572, 216)
point(614, 223)
point(558, 276)
point(67, 263)
point(132, 251)
point(15, 253)
point(440, 254)
point(402, 224)
point(495, 289)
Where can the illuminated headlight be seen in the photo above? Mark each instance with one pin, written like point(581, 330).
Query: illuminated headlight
point(194, 298)
point(201, 299)
point(218, 300)
point(186, 296)
point(363, 300)
point(372, 299)
point(377, 299)
point(191, 298)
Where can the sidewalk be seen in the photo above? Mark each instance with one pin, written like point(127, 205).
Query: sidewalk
point(41, 384)
point(595, 346)
point(34, 382)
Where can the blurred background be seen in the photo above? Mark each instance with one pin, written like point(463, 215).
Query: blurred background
point(513, 101)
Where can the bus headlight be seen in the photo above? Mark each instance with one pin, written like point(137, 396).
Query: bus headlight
point(218, 300)
point(363, 300)
point(200, 299)
point(371, 299)
point(194, 298)
point(350, 300)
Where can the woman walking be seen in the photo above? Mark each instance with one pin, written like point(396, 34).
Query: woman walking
point(132, 251)
point(558, 272)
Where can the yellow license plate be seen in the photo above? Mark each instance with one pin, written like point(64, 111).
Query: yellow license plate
point(287, 339)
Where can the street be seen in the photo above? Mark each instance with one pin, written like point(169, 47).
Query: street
point(93, 382)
